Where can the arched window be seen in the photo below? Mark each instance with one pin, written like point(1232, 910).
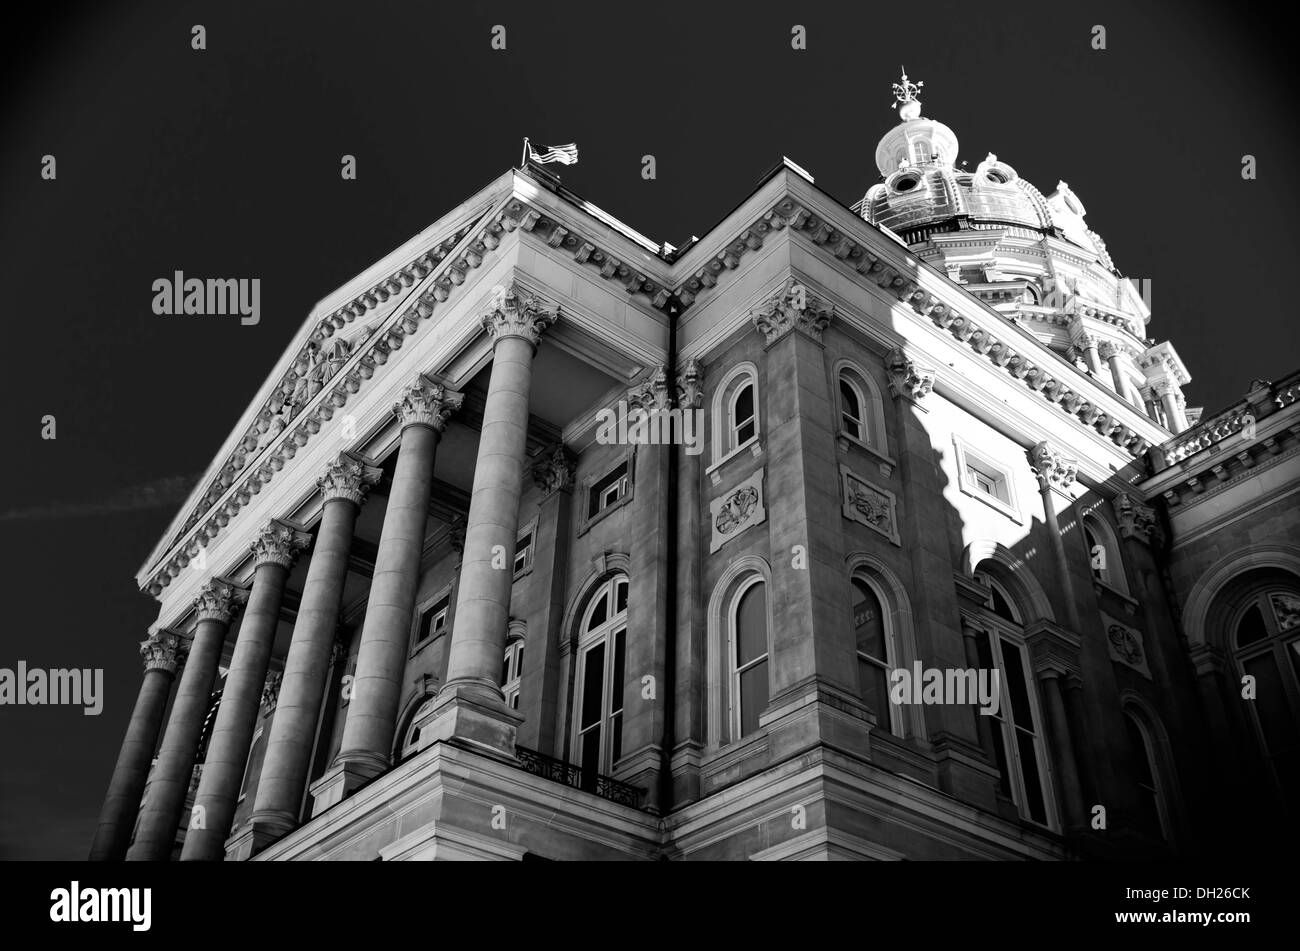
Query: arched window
point(598, 689)
point(748, 655)
point(1103, 553)
point(1018, 745)
point(512, 671)
point(1266, 642)
point(411, 730)
point(861, 412)
point(735, 411)
point(1150, 777)
point(876, 653)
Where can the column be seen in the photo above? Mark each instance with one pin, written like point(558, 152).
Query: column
point(1088, 344)
point(1054, 471)
point(1112, 353)
point(302, 688)
point(367, 744)
point(470, 706)
point(164, 653)
point(214, 608)
point(274, 551)
point(1171, 398)
point(691, 660)
point(1067, 770)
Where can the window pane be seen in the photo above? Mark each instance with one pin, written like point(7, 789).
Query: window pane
point(1033, 784)
point(1001, 607)
point(852, 407)
point(1286, 609)
point(519, 662)
point(869, 622)
point(1149, 811)
point(1251, 628)
point(1000, 751)
point(590, 758)
point(1015, 675)
point(505, 669)
point(875, 690)
point(616, 685)
point(753, 697)
point(751, 625)
point(593, 686)
point(744, 404)
point(599, 613)
point(1274, 712)
point(620, 596)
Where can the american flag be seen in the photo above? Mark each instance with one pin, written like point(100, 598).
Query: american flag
point(566, 154)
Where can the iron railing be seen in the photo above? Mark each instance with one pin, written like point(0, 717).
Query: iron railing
point(548, 767)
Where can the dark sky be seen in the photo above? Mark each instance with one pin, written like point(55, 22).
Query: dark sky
point(225, 163)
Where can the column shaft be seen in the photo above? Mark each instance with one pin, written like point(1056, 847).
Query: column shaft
point(1062, 563)
point(161, 814)
point(232, 735)
point(483, 603)
point(1066, 765)
point(133, 761)
point(385, 636)
point(302, 689)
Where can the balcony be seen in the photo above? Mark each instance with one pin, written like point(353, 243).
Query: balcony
point(567, 774)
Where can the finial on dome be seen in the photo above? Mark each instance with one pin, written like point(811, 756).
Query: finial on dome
point(905, 93)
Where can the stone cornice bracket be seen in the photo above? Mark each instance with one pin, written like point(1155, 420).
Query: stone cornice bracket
point(456, 534)
point(1136, 519)
point(278, 544)
point(514, 312)
point(1053, 650)
point(555, 473)
point(1052, 468)
point(426, 403)
point(219, 601)
point(271, 691)
point(906, 378)
point(348, 477)
point(653, 394)
point(792, 308)
point(689, 385)
point(164, 650)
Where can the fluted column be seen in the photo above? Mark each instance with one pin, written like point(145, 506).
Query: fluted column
point(1112, 353)
point(367, 743)
point(215, 608)
point(1171, 399)
point(470, 706)
point(164, 653)
point(302, 687)
point(1088, 343)
point(1054, 471)
point(232, 734)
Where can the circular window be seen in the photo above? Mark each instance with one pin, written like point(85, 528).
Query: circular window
point(997, 178)
point(906, 183)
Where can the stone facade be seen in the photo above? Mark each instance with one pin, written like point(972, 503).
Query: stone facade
point(474, 628)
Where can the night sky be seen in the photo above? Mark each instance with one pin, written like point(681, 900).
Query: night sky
point(225, 163)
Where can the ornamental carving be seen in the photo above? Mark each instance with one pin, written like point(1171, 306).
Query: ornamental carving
point(271, 692)
point(869, 504)
point(1052, 467)
point(738, 511)
point(278, 544)
point(426, 403)
point(1124, 644)
point(163, 650)
point(219, 601)
point(906, 378)
point(514, 312)
point(651, 395)
point(348, 477)
point(555, 472)
point(690, 386)
point(793, 308)
point(1135, 519)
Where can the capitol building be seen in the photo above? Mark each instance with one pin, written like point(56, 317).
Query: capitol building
point(418, 606)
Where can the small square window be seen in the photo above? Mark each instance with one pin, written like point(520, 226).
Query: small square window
point(524, 554)
point(433, 622)
point(608, 490)
point(980, 477)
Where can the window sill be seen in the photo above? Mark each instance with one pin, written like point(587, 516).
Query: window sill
point(714, 472)
point(1130, 604)
point(603, 513)
point(996, 504)
point(847, 443)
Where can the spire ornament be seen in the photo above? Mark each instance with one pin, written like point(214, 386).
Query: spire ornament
point(905, 101)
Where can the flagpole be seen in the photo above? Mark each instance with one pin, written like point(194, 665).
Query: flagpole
point(524, 160)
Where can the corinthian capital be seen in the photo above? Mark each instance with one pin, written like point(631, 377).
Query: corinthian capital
point(514, 312)
point(906, 378)
point(652, 394)
point(348, 477)
point(792, 308)
point(1136, 519)
point(271, 691)
point(219, 601)
point(163, 650)
point(278, 544)
point(1052, 467)
point(426, 403)
point(690, 386)
point(555, 473)
point(1108, 349)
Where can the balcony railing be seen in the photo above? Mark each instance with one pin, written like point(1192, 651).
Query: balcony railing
point(574, 776)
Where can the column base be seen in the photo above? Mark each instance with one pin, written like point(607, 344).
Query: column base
point(253, 836)
point(339, 782)
point(466, 716)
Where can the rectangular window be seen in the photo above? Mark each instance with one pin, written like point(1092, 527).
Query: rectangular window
point(979, 476)
point(524, 554)
point(433, 622)
point(608, 490)
point(987, 480)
